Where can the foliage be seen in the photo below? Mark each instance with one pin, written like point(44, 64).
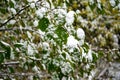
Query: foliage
point(47, 39)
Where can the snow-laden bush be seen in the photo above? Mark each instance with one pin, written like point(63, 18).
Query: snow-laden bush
point(54, 39)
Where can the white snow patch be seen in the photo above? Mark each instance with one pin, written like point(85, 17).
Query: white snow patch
point(77, 11)
point(70, 17)
point(35, 68)
point(32, 5)
point(99, 6)
point(13, 10)
point(91, 1)
point(35, 23)
point(29, 35)
point(29, 0)
point(41, 12)
point(89, 55)
point(32, 1)
point(13, 1)
point(81, 42)
point(30, 50)
point(72, 42)
point(46, 4)
point(45, 45)
point(66, 68)
point(112, 2)
point(12, 21)
point(80, 33)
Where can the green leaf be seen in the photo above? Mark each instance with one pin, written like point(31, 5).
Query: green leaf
point(11, 70)
point(95, 58)
point(7, 48)
point(62, 33)
point(86, 47)
point(18, 45)
point(11, 4)
point(92, 7)
point(3, 10)
point(1, 58)
point(43, 23)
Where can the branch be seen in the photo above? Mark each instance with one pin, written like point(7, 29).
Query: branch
point(11, 63)
point(17, 14)
point(14, 29)
point(14, 16)
point(42, 74)
point(103, 49)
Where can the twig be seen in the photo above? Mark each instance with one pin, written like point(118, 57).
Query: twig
point(14, 29)
point(42, 74)
point(1, 51)
point(103, 49)
point(33, 58)
point(14, 16)
point(11, 63)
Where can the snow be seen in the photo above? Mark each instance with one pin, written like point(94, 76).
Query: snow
point(99, 1)
point(91, 1)
point(35, 68)
point(81, 42)
point(32, 5)
point(32, 1)
point(45, 45)
point(61, 13)
point(29, 0)
point(29, 35)
point(80, 33)
point(12, 21)
point(64, 6)
point(66, 68)
point(70, 17)
point(119, 6)
point(13, 1)
point(72, 42)
point(112, 2)
point(68, 57)
point(115, 38)
point(89, 55)
point(41, 12)
point(30, 50)
point(99, 6)
point(55, 36)
point(13, 10)
point(87, 66)
point(46, 4)
point(35, 23)
point(4, 43)
point(12, 55)
point(78, 11)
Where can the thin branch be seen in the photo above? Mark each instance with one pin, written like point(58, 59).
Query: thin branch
point(14, 29)
point(1, 51)
point(11, 63)
point(42, 74)
point(103, 49)
point(33, 58)
point(14, 16)
point(17, 14)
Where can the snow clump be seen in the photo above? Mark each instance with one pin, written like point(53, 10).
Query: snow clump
point(70, 17)
point(35, 23)
point(72, 42)
point(80, 34)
